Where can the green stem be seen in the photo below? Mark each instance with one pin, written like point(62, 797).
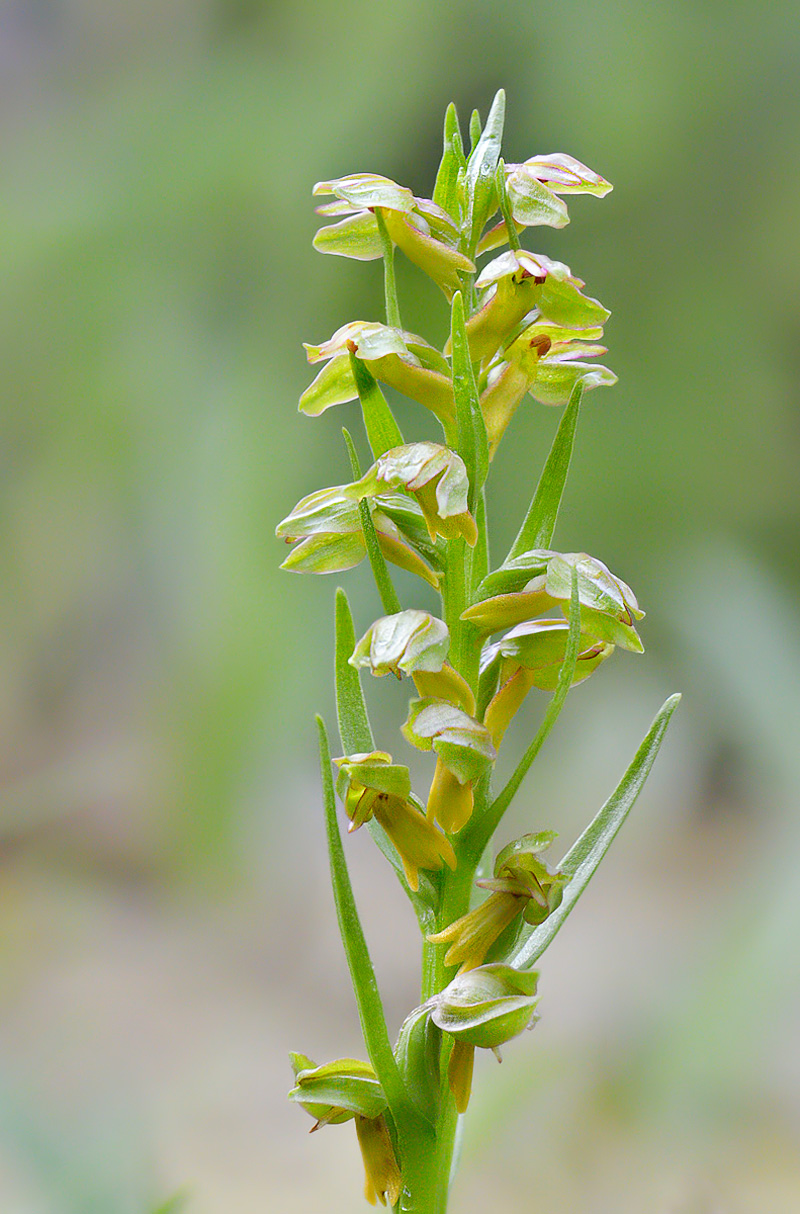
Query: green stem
point(389, 282)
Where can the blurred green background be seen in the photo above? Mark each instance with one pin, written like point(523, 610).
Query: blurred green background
point(166, 931)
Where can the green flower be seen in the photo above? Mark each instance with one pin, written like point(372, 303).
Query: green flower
point(327, 536)
point(517, 284)
point(348, 1090)
point(531, 655)
point(423, 230)
point(414, 643)
point(464, 753)
point(523, 886)
point(435, 476)
point(482, 1008)
point(402, 360)
point(608, 605)
point(371, 786)
point(533, 190)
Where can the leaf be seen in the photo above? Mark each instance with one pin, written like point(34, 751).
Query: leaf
point(481, 168)
point(351, 710)
point(382, 430)
point(362, 974)
point(473, 443)
point(445, 193)
point(540, 521)
point(581, 861)
point(356, 236)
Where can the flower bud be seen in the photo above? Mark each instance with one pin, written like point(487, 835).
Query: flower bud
point(438, 480)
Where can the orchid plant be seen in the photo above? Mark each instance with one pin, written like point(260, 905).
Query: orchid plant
point(521, 327)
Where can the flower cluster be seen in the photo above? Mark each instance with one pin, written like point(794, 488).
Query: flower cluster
point(522, 327)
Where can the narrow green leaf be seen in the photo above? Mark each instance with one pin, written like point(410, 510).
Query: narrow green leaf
point(473, 444)
point(481, 169)
point(382, 430)
point(351, 710)
point(389, 281)
point(582, 859)
point(389, 599)
point(474, 131)
point(479, 831)
point(445, 193)
point(362, 974)
point(540, 521)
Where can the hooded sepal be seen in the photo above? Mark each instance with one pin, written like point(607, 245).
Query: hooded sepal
point(435, 476)
point(403, 643)
point(337, 1091)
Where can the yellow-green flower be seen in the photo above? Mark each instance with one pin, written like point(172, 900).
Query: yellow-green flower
point(523, 886)
point(414, 643)
point(423, 230)
point(435, 476)
point(371, 786)
point(482, 1008)
point(346, 1090)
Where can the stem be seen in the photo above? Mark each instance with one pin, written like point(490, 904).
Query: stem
point(389, 282)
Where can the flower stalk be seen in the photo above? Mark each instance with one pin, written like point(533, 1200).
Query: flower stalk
point(521, 328)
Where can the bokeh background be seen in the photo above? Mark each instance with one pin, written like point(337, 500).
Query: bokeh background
point(166, 930)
